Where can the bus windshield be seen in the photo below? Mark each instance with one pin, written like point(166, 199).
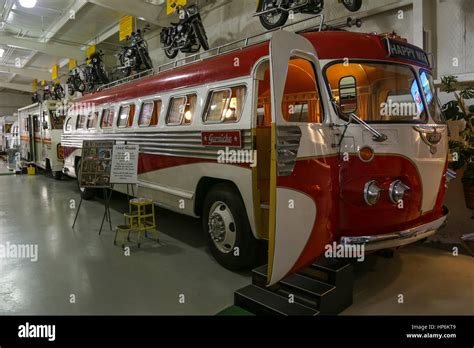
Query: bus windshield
point(384, 92)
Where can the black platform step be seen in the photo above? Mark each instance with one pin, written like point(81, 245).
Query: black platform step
point(307, 291)
point(261, 301)
point(339, 273)
point(334, 272)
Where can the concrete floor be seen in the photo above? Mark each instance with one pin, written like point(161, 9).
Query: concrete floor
point(37, 210)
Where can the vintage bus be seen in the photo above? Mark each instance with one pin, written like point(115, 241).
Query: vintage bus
point(41, 126)
point(346, 139)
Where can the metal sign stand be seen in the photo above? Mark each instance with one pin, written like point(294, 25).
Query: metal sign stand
point(107, 215)
point(77, 213)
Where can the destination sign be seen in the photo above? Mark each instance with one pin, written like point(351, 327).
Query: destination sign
point(402, 50)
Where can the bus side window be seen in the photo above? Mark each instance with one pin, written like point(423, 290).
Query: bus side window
point(149, 114)
point(126, 114)
point(45, 123)
point(225, 105)
point(92, 120)
point(107, 118)
point(301, 102)
point(81, 121)
point(181, 110)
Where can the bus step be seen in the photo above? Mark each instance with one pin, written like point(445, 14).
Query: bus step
point(261, 301)
point(334, 272)
point(339, 273)
point(305, 290)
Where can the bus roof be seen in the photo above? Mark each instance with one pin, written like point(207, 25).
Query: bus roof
point(328, 44)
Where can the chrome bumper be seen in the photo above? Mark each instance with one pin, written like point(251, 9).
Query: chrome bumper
point(396, 239)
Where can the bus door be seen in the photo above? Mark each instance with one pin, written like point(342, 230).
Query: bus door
point(30, 155)
point(36, 138)
point(304, 162)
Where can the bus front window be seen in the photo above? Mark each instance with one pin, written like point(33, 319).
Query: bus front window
point(384, 92)
point(431, 97)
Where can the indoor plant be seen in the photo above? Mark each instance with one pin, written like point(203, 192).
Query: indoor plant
point(462, 132)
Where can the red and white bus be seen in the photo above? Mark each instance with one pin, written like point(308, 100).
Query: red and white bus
point(346, 130)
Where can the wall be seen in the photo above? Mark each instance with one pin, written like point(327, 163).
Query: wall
point(455, 37)
point(11, 102)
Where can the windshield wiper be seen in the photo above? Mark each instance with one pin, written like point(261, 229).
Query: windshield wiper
point(377, 136)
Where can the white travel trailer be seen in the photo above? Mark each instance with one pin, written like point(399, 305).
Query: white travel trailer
point(41, 127)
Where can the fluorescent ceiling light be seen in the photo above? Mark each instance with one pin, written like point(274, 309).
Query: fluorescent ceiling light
point(28, 3)
point(2, 51)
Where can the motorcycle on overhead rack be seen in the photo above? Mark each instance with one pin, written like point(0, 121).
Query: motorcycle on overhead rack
point(94, 72)
point(187, 36)
point(48, 93)
point(35, 98)
point(75, 83)
point(136, 56)
point(57, 91)
point(275, 13)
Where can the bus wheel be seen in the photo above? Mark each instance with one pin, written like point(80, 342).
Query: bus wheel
point(86, 193)
point(230, 237)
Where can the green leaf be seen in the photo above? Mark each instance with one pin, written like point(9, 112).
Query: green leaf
point(467, 93)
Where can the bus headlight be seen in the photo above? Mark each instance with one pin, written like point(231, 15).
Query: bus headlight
point(372, 192)
point(397, 191)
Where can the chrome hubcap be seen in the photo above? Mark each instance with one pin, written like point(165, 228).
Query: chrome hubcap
point(222, 227)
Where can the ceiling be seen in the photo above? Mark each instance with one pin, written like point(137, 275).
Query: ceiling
point(33, 40)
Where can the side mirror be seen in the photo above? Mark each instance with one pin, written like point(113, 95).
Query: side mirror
point(348, 94)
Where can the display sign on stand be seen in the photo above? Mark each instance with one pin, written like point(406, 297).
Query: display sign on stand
point(105, 164)
point(124, 165)
point(96, 164)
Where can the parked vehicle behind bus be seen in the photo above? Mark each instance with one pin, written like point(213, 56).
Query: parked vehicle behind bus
point(300, 144)
point(41, 126)
point(6, 124)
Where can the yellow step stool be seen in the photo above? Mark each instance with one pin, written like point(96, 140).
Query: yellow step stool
point(139, 219)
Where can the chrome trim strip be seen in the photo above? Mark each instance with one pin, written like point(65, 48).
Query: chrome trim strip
point(174, 192)
point(396, 239)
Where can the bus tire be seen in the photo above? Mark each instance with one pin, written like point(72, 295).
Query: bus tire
point(86, 193)
point(227, 228)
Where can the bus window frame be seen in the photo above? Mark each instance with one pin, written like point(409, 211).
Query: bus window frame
point(96, 114)
point(386, 62)
point(102, 117)
point(211, 91)
point(128, 117)
point(170, 105)
point(435, 97)
point(78, 118)
point(154, 101)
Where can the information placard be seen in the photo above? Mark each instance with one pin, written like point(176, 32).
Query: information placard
point(96, 163)
point(124, 164)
